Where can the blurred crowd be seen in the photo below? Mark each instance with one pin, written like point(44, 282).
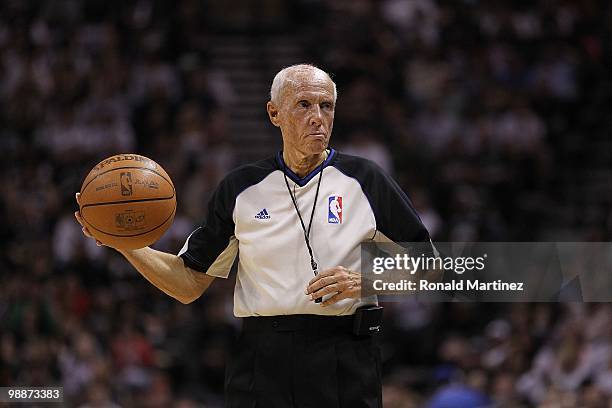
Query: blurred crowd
point(474, 106)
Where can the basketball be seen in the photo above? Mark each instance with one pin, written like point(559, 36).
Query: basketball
point(127, 201)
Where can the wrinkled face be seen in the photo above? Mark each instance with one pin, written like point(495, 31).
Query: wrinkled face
point(306, 112)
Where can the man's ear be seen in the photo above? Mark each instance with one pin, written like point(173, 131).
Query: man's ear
point(273, 114)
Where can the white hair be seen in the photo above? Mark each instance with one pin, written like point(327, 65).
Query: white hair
point(284, 76)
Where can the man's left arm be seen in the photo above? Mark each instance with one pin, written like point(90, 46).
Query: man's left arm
point(396, 221)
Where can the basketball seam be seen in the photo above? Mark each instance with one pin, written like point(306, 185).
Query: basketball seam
point(136, 235)
point(123, 168)
point(140, 200)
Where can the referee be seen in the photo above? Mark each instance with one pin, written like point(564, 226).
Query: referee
point(295, 221)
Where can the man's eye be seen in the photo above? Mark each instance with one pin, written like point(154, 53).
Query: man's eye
point(304, 104)
point(326, 105)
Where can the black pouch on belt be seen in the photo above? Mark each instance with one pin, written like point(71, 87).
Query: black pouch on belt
point(368, 320)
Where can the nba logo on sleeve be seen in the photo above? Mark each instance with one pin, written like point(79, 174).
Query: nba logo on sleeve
point(334, 214)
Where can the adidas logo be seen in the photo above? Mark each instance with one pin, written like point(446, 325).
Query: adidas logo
point(263, 215)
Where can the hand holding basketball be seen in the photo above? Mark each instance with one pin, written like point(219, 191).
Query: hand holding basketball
point(127, 201)
point(79, 219)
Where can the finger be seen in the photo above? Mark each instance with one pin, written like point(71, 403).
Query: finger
point(78, 198)
point(86, 232)
point(78, 217)
point(327, 272)
point(334, 288)
point(321, 283)
point(83, 227)
point(319, 276)
point(336, 298)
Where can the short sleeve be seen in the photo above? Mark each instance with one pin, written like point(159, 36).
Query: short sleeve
point(396, 218)
point(212, 247)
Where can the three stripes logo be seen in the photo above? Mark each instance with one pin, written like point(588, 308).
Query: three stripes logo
point(263, 215)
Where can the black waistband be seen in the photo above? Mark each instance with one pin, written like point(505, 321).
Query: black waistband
point(298, 323)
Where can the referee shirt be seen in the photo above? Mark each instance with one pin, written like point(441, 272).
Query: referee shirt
point(251, 216)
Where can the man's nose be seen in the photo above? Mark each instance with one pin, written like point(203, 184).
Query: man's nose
point(316, 117)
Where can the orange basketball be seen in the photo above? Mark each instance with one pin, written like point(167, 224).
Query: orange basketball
point(127, 201)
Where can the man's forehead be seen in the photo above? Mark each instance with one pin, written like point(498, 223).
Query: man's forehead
point(309, 84)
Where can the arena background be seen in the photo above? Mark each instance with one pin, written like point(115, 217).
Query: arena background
point(493, 115)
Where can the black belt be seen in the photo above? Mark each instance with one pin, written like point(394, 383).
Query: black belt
point(299, 323)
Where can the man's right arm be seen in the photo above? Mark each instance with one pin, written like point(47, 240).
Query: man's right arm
point(168, 273)
point(165, 271)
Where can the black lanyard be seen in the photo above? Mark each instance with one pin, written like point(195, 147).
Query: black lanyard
point(313, 264)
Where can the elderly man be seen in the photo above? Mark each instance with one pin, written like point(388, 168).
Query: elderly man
point(295, 221)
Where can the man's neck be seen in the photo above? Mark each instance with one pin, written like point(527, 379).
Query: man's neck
point(303, 165)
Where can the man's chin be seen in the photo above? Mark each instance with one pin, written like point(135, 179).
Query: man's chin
point(317, 146)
